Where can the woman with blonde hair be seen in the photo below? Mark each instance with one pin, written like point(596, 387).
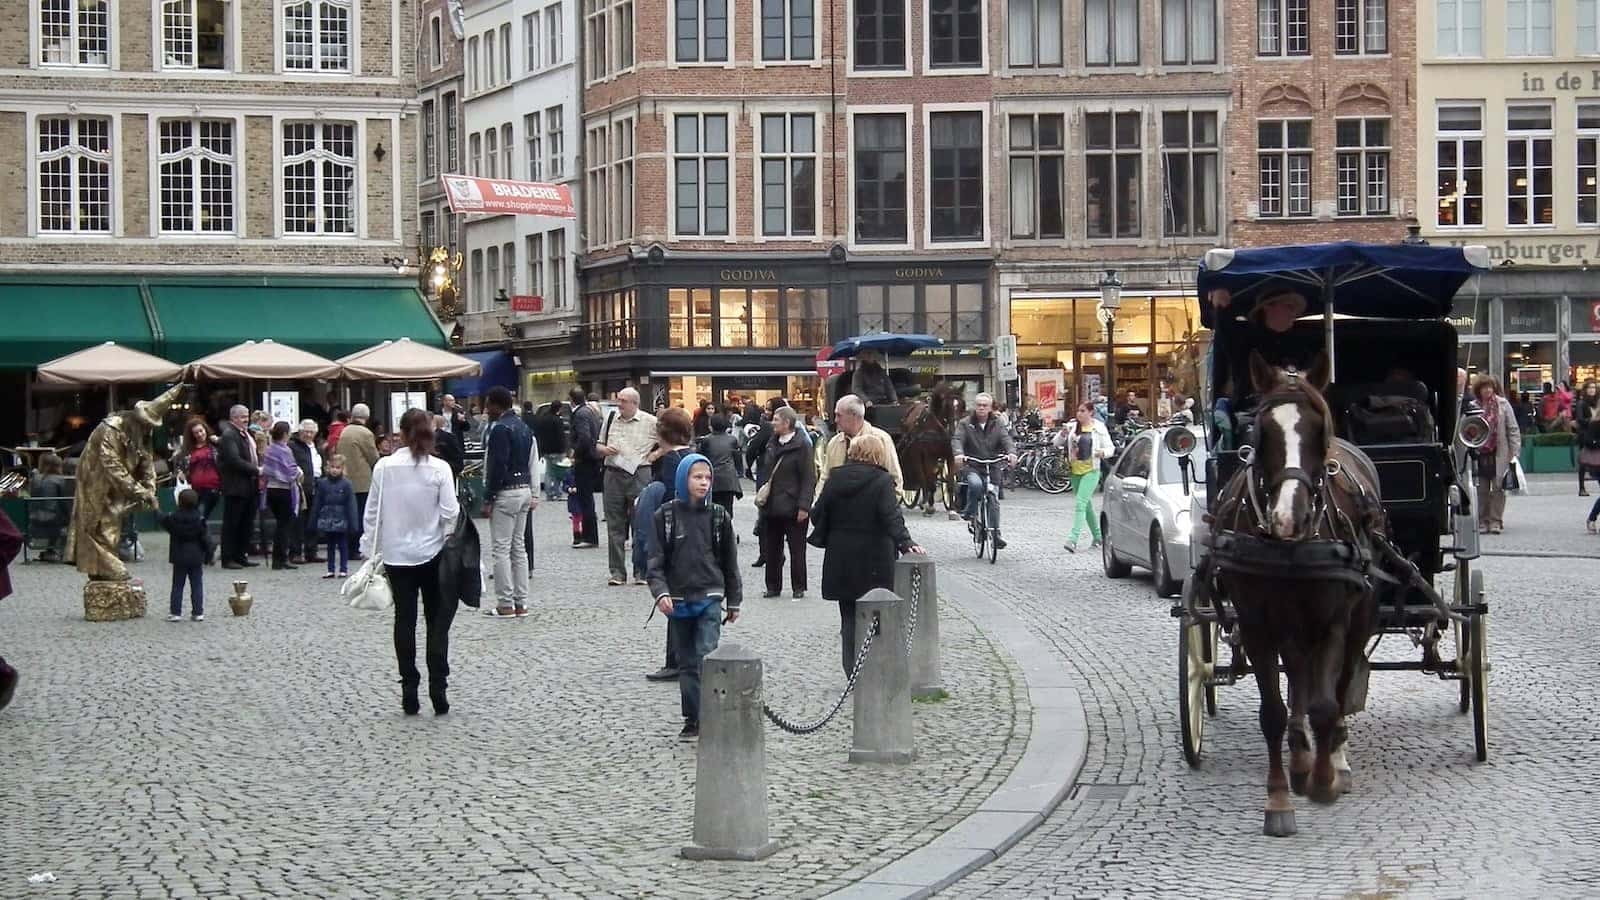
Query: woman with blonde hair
point(858, 524)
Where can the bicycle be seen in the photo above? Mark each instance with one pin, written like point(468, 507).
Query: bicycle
point(985, 525)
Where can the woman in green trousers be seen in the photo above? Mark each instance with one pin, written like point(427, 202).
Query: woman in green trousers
point(1087, 442)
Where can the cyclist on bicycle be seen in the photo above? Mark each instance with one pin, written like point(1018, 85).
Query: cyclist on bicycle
point(980, 436)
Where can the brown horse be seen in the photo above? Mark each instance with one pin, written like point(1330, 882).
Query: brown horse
point(924, 443)
point(1293, 551)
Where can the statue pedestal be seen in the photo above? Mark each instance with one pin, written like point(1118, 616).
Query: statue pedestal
point(113, 601)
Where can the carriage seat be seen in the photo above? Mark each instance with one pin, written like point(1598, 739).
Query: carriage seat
point(1398, 410)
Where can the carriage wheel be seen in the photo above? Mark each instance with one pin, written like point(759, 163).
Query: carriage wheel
point(1197, 650)
point(1478, 662)
point(909, 497)
point(1464, 575)
point(947, 491)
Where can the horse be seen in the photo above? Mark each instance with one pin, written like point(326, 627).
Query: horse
point(1303, 517)
point(924, 443)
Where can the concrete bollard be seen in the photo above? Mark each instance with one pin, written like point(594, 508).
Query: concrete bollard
point(730, 783)
point(882, 724)
point(926, 680)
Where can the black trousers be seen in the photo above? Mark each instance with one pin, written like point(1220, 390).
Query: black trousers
point(847, 635)
point(280, 502)
point(777, 531)
point(238, 521)
point(407, 582)
point(359, 525)
point(587, 483)
point(306, 534)
point(724, 499)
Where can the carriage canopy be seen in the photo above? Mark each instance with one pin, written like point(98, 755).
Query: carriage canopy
point(886, 344)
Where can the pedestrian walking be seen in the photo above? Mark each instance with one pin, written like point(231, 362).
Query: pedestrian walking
point(1087, 442)
point(411, 512)
point(308, 456)
point(1587, 420)
point(858, 524)
point(283, 494)
point(508, 459)
point(586, 467)
point(335, 514)
point(190, 551)
point(196, 463)
point(1495, 456)
point(785, 501)
point(625, 438)
point(359, 447)
point(551, 436)
point(694, 572)
point(722, 448)
point(10, 546)
point(241, 476)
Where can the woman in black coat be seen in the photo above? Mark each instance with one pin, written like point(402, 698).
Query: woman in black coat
point(858, 524)
point(722, 448)
point(791, 483)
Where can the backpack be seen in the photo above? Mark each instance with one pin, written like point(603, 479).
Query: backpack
point(719, 518)
point(1389, 420)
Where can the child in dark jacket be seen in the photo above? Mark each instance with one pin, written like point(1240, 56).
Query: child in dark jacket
point(335, 515)
point(694, 570)
point(189, 554)
point(574, 508)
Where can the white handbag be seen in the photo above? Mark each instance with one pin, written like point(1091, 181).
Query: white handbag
point(369, 588)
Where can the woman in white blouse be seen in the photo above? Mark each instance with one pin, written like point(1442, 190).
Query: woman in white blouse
point(411, 511)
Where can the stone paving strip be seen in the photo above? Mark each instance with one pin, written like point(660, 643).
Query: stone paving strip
point(266, 756)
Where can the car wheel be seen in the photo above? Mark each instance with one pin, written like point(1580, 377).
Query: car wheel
point(1160, 570)
point(1115, 567)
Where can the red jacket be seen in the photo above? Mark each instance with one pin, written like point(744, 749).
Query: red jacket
point(334, 431)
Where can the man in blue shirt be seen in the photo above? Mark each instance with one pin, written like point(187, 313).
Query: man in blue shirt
point(508, 499)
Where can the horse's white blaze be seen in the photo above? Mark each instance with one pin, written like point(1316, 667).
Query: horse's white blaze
point(1286, 417)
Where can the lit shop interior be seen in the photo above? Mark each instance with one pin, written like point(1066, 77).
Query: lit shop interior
point(1066, 333)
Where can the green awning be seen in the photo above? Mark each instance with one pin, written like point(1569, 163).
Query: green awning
point(45, 317)
point(331, 317)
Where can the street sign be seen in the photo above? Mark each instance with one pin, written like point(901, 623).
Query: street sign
point(1005, 355)
point(826, 366)
point(527, 303)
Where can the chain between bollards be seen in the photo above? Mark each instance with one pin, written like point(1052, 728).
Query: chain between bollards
point(850, 685)
point(911, 620)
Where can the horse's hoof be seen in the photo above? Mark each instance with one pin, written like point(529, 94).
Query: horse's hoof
point(1279, 823)
point(1345, 780)
point(954, 516)
point(1298, 781)
point(927, 512)
point(1324, 794)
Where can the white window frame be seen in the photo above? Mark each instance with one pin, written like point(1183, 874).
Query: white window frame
point(596, 16)
point(1460, 19)
point(195, 152)
point(491, 152)
point(508, 151)
point(491, 277)
point(1283, 152)
point(532, 41)
point(429, 140)
point(631, 27)
point(435, 41)
point(789, 59)
point(476, 282)
point(1280, 11)
point(555, 143)
point(1365, 154)
point(788, 157)
point(74, 38)
point(1033, 33)
point(1217, 36)
point(555, 242)
point(491, 64)
point(906, 48)
point(281, 38)
point(112, 160)
point(929, 110)
point(533, 249)
point(1588, 186)
point(358, 187)
point(1032, 156)
point(905, 111)
point(1459, 138)
point(1528, 138)
point(1364, 10)
point(924, 9)
point(475, 154)
point(1522, 17)
point(1111, 35)
point(508, 266)
point(625, 221)
point(554, 36)
point(1588, 28)
point(700, 61)
point(533, 142)
point(701, 155)
point(597, 181)
point(231, 37)
point(471, 67)
point(449, 106)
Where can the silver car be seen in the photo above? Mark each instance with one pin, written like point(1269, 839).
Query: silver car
point(1148, 513)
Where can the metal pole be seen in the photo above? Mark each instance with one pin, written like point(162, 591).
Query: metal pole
point(1111, 363)
point(1327, 323)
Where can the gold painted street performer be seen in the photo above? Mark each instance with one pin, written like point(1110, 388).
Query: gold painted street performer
point(116, 476)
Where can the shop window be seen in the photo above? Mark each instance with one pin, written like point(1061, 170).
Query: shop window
point(1188, 32)
point(689, 318)
point(901, 317)
point(1111, 32)
point(870, 308)
point(1360, 26)
point(764, 323)
point(610, 321)
point(1038, 176)
point(1283, 155)
point(955, 162)
point(1189, 157)
point(1588, 163)
point(733, 306)
point(1363, 166)
point(1035, 33)
point(955, 34)
point(953, 311)
point(1530, 27)
point(880, 178)
point(970, 314)
point(788, 31)
point(1459, 162)
point(700, 31)
point(1460, 28)
point(1112, 162)
point(1530, 173)
point(1283, 27)
point(806, 314)
point(880, 34)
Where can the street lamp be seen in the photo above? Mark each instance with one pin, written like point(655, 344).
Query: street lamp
point(1110, 301)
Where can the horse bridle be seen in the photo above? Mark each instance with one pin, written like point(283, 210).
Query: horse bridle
point(1322, 505)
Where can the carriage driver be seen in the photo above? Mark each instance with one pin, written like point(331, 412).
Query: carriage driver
point(981, 436)
point(871, 382)
point(1269, 331)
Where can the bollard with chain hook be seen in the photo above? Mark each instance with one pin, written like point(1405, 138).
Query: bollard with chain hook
point(915, 582)
point(730, 792)
point(882, 723)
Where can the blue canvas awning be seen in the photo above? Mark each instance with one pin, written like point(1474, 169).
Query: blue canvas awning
point(499, 370)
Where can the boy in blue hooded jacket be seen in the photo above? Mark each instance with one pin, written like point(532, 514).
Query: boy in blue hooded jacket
point(694, 572)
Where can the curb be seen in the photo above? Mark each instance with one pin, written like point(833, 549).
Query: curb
point(1058, 743)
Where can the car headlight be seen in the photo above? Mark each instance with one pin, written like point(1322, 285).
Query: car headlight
point(1185, 524)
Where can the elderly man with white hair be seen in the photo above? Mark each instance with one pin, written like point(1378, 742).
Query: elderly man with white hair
point(625, 439)
point(359, 448)
point(308, 456)
point(850, 418)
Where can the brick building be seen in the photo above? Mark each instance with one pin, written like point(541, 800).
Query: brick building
point(188, 174)
point(440, 25)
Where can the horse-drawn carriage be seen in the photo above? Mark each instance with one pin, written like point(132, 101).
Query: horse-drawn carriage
point(1333, 508)
point(920, 422)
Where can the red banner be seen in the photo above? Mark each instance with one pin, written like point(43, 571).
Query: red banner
point(494, 195)
point(527, 303)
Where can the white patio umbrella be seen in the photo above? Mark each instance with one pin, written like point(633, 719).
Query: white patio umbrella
point(406, 360)
point(108, 363)
point(266, 360)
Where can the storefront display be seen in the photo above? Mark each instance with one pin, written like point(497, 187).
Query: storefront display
point(1065, 332)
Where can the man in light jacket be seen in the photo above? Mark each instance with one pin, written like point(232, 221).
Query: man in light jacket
point(360, 451)
point(850, 417)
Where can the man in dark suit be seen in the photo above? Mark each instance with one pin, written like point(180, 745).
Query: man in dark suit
point(241, 485)
point(586, 466)
point(448, 447)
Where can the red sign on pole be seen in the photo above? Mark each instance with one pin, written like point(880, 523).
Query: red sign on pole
point(1594, 315)
point(826, 366)
point(527, 303)
point(496, 195)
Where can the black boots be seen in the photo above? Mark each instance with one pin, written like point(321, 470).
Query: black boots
point(408, 699)
point(440, 704)
point(8, 683)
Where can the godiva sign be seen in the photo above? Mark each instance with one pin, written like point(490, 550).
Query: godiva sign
point(1544, 251)
point(746, 276)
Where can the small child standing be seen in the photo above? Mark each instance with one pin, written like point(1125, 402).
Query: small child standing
point(189, 554)
point(575, 509)
point(334, 514)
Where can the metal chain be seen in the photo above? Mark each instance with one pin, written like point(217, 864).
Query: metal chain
point(850, 685)
point(916, 597)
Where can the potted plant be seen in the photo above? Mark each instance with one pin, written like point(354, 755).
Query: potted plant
point(1556, 451)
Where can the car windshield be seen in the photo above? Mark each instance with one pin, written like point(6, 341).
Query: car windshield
point(1168, 468)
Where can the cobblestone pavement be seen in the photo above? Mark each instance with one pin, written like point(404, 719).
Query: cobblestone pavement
point(1425, 819)
point(267, 756)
